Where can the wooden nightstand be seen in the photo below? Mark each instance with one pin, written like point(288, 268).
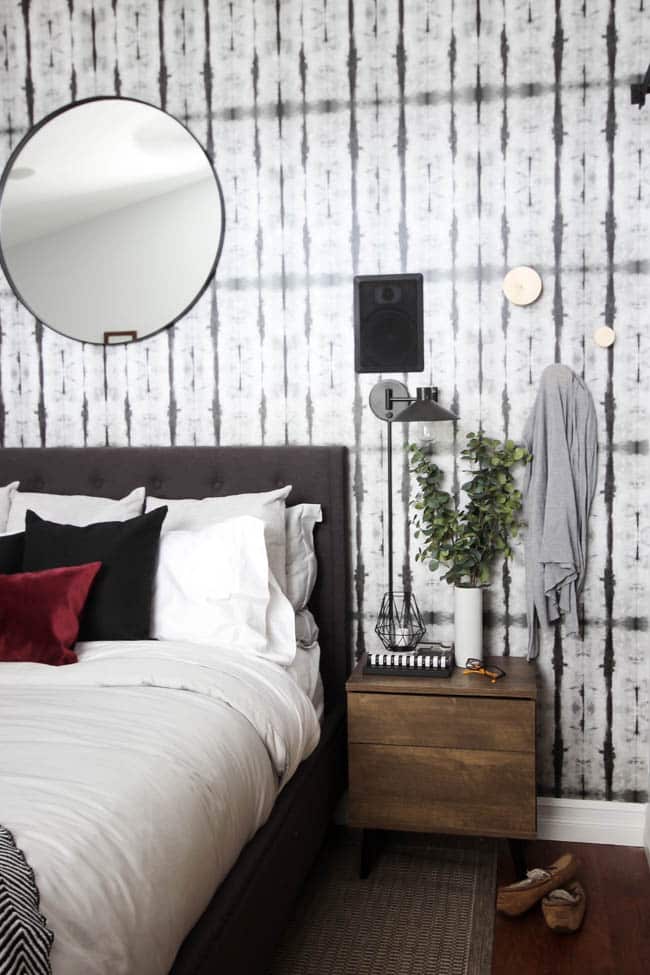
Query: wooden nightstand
point(444, 755)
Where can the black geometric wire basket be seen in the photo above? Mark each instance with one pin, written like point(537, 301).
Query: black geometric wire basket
point(399, 624)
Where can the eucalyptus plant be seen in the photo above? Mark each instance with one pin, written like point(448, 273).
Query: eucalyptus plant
point(467, 541)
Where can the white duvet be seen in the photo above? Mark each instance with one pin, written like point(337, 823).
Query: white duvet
point(133, 779)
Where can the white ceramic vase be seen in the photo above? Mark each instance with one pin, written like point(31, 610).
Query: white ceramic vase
point(468, 623)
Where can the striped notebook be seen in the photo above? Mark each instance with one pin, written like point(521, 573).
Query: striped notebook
point(427, 660)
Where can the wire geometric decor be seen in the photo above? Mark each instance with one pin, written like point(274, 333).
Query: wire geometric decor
point(399, 624)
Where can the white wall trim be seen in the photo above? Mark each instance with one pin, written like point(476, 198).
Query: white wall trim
point(593, 821)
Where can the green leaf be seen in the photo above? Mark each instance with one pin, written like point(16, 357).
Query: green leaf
point(467, 540)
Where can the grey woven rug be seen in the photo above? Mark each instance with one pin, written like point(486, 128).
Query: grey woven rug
point(427, 908)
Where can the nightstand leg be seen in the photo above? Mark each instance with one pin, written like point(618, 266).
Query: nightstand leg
point(518, 854)
point(369, 844)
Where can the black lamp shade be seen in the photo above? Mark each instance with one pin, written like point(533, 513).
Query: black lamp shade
point(425, 408)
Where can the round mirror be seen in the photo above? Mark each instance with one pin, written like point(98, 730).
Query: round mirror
point(111, 220)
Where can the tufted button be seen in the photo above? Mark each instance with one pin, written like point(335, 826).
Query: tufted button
point(155, 483)
point(96, 481)
point(36, 483)
point(217, 484)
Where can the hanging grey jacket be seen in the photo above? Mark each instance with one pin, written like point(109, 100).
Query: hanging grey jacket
point(560, 483)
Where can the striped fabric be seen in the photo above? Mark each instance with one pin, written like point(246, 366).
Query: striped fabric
point(25, 939)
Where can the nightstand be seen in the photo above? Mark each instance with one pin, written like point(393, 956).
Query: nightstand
point(444, 755)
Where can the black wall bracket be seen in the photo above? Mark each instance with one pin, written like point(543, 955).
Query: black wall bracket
point(639, 91)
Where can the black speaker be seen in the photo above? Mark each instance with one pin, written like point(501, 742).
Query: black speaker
point(388, 323)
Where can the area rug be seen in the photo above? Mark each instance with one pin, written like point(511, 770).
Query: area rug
point(427, 908)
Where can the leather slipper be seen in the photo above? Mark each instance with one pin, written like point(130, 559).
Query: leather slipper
point(564, 909)
point(515, 899)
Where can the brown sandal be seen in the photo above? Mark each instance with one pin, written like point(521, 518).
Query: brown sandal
point(564, 909)
point(515, 899)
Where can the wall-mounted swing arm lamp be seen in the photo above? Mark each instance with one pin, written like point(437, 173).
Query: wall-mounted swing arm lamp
point(399, 624)
point(639, 91)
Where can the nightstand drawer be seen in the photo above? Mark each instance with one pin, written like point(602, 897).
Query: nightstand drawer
point(497, 724)
point(486, 793)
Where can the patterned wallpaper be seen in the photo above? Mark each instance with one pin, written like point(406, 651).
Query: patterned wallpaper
point(452, 137)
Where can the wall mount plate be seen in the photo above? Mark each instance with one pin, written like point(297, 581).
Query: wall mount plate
point(378, 398)
point(604, 336)
point(522, 285)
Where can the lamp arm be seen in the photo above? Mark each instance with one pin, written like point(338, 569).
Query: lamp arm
point(390, 398)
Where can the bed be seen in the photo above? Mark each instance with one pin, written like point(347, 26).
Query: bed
point(246, 915)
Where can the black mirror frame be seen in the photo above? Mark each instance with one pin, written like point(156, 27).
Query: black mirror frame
point(5, 175)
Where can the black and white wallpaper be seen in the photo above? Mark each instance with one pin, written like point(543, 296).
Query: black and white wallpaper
point(453, 137)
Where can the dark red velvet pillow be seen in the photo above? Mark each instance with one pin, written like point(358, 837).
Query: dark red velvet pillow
point(39, 613)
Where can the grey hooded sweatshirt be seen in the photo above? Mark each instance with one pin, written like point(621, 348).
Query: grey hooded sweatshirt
point(560, 483)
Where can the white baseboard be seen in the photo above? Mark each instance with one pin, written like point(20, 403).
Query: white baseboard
point(593, 821)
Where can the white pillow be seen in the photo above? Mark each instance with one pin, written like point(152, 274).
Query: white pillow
point(302, 566)
point(73, 509)
point(6, 496)
point(214, 586)
point(189, 514)
point(306, 629)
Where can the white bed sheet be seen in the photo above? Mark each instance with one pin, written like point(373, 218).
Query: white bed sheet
point(133, 779)
point(305, 670)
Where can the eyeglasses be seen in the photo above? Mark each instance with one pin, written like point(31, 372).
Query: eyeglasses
point(473, 666)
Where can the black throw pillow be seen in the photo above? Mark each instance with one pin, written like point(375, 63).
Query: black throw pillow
point(119, 604)
point(11, 553)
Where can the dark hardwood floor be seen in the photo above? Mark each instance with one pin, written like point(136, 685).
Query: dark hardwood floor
point(615, 936)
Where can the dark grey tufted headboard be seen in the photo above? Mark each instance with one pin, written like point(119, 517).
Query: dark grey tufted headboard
point(318, 474)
